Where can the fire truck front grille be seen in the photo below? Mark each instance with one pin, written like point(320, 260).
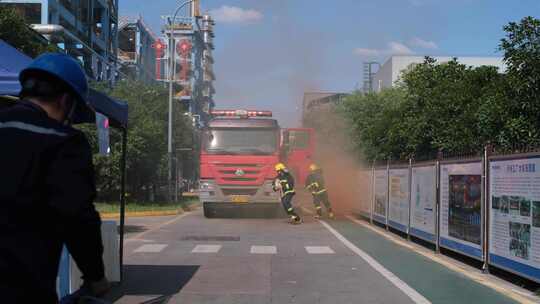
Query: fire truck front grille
point(239, 191)
point(240, 165)
point(240, 179)
point(234, 171)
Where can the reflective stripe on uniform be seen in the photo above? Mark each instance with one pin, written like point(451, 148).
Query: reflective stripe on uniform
point(319, 207)
point(287, 192)
point(290, 209)
point(319, 192)
point(30, 128)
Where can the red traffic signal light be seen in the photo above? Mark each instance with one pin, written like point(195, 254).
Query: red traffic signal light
point(183, 47)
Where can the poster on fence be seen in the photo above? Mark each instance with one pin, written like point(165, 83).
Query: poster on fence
point(398, 199)
point(423, 202)
point(514, 227)
point(461, 208)
point(381, 195)
point(365, 185)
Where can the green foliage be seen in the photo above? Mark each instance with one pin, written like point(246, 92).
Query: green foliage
point(453, 107)
point(15, 31)
point(146, 141)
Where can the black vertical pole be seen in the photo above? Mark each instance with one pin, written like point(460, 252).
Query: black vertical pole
point(122, 200)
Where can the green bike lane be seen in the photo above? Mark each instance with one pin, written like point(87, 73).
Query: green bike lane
point(434, 281)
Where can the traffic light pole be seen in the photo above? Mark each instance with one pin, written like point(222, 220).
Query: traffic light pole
point(172, 58)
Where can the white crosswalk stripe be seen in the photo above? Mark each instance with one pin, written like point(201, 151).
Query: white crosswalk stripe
point(151, 248)
point(319, 250)
point(206, 249)
point(263, 250)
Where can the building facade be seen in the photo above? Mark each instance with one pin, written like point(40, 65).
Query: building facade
point(138, 50)
point(192, 37)
point(389, 73)
point(318, 100)
point(85, 29)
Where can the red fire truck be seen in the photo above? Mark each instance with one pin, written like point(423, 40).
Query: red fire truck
point(238, 153)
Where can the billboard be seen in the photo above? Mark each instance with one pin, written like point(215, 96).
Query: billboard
point(461, 208)
point(365, 184)
point(398, 199)
point(514, 226)
point(423, 203)
point(381, 196)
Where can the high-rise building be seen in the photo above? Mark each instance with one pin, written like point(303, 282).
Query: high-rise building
point(138, 49)
point(85, 29)
point(390, 72)
point(191, 35)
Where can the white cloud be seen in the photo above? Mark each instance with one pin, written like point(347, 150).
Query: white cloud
point(394, 48)
point(367, 52)
point(425, 44)
point(233, 14)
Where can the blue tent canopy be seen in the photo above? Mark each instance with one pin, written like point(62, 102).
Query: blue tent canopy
point(12, 62)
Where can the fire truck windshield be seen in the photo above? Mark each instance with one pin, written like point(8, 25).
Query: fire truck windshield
point(240, 141)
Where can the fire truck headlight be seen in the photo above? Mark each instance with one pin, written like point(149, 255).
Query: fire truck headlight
point(207, 186)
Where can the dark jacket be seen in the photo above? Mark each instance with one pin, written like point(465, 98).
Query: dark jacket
point(286, 181)
point(47, 190)
point(315, 182)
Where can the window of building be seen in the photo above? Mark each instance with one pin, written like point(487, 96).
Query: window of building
point(31, 12)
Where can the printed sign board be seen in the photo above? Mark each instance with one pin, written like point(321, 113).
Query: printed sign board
point(398, 199)
point(423, 203)
point(514, 204)
point(461, 208)
point(381, 196)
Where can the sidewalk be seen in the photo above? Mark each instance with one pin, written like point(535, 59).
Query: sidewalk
point(432, 280)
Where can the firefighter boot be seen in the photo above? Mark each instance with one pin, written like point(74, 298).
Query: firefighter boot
point(319, 213)
point(295, 220)
point(331, 214)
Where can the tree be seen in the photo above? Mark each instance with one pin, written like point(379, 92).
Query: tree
point(147, 141)
point(521, 48)
point(15, 31)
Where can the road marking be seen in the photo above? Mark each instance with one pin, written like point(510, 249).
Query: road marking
point(263, 249)
point(411, 293)
point(319, 250)
point(206, 249)
point(140, 235)
point(151, 248)
point(473, 274)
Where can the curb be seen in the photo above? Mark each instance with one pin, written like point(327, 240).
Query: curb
point(111, 215)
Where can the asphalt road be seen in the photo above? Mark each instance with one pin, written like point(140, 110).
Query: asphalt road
point(191, 259)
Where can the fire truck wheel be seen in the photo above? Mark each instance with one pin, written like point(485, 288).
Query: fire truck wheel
point(209, 212)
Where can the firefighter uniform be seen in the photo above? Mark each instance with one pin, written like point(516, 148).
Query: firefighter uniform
point(284, 182)
point(46, 201)
point(315, 184)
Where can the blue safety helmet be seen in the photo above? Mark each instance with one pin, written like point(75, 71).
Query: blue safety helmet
point(68, 70)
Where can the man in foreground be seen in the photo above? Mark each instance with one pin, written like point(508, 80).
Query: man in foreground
point(47, 185)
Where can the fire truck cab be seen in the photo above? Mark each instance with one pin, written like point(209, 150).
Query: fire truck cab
point(239, 149)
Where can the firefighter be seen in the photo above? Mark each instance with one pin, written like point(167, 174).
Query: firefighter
point(315, 184)
point(48, 188)
point(284, 183)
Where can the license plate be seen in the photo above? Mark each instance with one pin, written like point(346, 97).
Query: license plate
point(240, 199)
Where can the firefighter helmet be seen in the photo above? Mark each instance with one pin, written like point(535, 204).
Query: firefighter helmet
point(280, 167)
point(314, 167)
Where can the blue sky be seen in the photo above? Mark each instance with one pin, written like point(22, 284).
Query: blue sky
point(268, 52)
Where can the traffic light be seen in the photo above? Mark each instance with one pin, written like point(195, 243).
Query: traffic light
point(159, 46)
point(183, 48)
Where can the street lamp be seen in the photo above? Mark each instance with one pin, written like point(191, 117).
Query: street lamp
point(172, 59)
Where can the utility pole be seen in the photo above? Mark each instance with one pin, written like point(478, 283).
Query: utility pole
point(172, 64)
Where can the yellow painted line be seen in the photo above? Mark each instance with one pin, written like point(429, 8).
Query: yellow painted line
point(141, 214)
point(140, 235)
point(466, 271)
